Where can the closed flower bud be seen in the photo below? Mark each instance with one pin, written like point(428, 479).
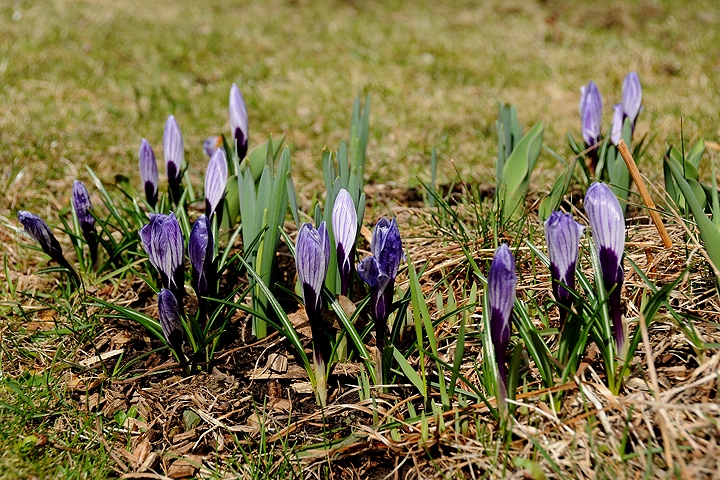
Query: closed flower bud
point(82, 206)
point(148, 172)
point(591, 113)
point(174, 153)
point(345, 225)
point(379, 271)
point(216, 177)
point(631, 97)
point(200, 251)
point(163, 242)
point(562, 235)
point(238, 121)
point(169, 313)
point(608, 231)
point(617, 124)
point(501, 283)
point(40, 231)
point(312, 257)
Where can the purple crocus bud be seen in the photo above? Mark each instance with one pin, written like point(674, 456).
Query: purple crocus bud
point(591, 113)
point(501, 283)
point(82, 206)
point(379, 271)
point(148, 172)
point(212, 143)
point(40, 231)
point(163, 242)
point(174, 153)
point(169, 313)
point(216, 177)
point(238, 121)
point(345, 225)
point(200, 251)
point(608, 231)
point(562, 235)
point(617, 124)
point(631, 97)
point(591, 119)
point(312, 256)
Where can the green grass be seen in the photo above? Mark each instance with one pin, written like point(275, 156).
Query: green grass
point(83, 82)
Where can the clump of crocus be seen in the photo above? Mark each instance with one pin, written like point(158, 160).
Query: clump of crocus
point(608, 231)
point(629, 108)
point(501, 284)
point(379, 271)
point(345, 225)
point(591, 119)
point(216, 177)
point(562, 235)
point(163, 242)
point(200, 251)
point(238, 121)
point(40, 231)
point(82, 206)
point(148, 172)
point(174, 153)
point(312, 257)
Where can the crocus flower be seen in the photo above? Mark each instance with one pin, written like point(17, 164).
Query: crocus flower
point(148, 172)
point(169, 313)
point(163, 242)
point(81, 204)
point(174, 153)
point(200, 251)
point(617, 125)
point(212, 143)
point(629, 108)
point(40, 231)
point(591, 118)
point(608, 231)
point(216, 177)
point(379, 271)
point(238, 121)
point(344, 223)
point(501, 283)
point(312, 256)
point(562, 235)
point(631, 97)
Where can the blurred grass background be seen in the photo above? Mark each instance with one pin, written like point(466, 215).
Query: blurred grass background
point(84, 81)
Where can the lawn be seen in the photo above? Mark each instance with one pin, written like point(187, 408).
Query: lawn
point(86, 394)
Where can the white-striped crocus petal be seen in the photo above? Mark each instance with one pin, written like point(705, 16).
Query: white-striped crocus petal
point(608, 229)
point(216, 177)
point(562, 235)
point(344, 224)
point(631, 97)
point(617, 124)
point(238, 121)
point(148, 171)
point(591, 113)
point(173, 150)
point(163, 242)
point(386, 247)
point(502, 281)
point(312, 256)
